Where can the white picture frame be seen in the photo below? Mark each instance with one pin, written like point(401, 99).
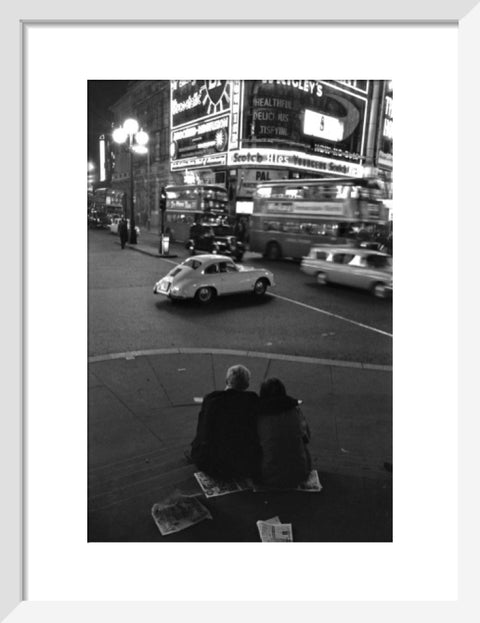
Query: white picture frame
point(465, 15)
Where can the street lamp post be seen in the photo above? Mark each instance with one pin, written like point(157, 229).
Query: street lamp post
point(135, 140)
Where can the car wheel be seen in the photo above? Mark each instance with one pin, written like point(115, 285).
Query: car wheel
point(260, 287)
point(205, 295)
point(273, 251)
point(379, 290)
point(322, 279)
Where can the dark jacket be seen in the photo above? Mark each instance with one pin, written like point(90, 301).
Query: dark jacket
point(226, 443)
point(283, 434)
point(123, 230)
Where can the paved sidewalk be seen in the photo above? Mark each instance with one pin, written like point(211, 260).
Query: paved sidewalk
point(148, 243)
point(143, 414)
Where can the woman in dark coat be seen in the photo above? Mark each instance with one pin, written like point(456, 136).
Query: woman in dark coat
point(283, 434)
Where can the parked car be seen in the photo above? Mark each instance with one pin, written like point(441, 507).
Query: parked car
point(93, 220)
point(98, 220)
point(355, 267)
point(215, 239)
point(115, 223)
point(204, 277)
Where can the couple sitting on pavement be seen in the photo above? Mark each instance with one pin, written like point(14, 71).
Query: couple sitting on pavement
point(243, 435)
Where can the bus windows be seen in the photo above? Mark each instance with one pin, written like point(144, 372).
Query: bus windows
point(306, 228)
point(190, 203)
point(291, 227)
point(272, 226)
point(293, 193)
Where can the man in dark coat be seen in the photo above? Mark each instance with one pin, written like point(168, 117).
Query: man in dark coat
point(123, 232)
point(226, 444)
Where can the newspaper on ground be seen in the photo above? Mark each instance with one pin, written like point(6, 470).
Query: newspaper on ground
point(178, 512)
point(274, 531)
point(311, 485)
point(213, 487)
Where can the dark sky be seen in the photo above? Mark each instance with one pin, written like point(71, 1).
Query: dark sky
point(101, 95)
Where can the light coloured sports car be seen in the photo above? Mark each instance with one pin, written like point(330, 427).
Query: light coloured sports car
point(204, 277)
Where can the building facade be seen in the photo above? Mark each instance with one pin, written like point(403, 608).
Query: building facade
point(148, 101)
point(238, 133)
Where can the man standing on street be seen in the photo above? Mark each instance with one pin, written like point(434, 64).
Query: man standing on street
point(123, 232)
point(226, 444)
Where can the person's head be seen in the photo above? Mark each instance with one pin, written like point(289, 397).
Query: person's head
point(272, 388)
point(238, 377)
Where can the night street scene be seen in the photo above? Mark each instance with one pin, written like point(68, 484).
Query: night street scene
point(240, 287)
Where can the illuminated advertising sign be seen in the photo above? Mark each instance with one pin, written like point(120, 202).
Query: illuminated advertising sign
point(200, 139)
point(323, 126)
point(201, 121)
point(236, 113)
point(306, 207)
point(292, 160)
point(195, 99)
point(199, 161)
point(327, 118)
point(358, 85)
point(103, 168)
point(385, 152)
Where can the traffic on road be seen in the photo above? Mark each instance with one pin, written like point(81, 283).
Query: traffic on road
point(295, 317)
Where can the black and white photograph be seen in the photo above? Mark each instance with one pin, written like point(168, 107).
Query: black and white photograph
point(240, 288)
point(214, 358)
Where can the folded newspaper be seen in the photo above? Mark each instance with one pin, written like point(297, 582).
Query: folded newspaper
point(178, 512)
point(274, 531)
point(311, 485)
point(213, 487)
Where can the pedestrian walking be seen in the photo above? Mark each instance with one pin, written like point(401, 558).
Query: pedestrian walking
point(123, 232)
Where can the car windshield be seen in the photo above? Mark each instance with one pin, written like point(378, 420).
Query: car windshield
point(222, 230)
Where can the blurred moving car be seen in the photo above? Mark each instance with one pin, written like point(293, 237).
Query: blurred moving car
point(206, 276)
point(115, 223)
point(215, 238)
point(369, 244)
point(355, 267)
